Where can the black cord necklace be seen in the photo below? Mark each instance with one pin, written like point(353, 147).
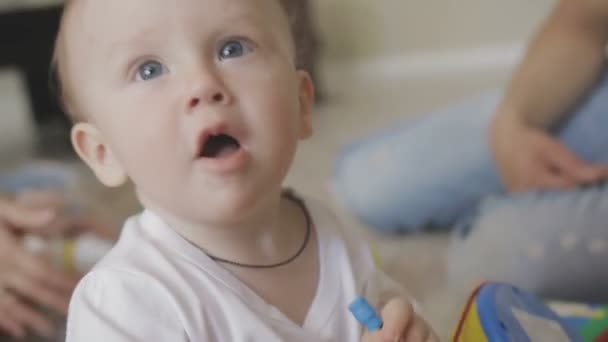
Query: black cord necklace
point(301, 204)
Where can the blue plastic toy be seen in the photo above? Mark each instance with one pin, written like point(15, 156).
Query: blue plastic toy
point(502, 313)
point(365, 314)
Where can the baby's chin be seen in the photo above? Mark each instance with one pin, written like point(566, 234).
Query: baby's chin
point(221, 212)
point(224, 208)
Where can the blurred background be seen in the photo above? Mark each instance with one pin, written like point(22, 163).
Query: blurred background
point(376, 42)
point(376, 62)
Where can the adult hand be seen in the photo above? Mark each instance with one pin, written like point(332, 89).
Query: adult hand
point(531, 159)
point(29, 283)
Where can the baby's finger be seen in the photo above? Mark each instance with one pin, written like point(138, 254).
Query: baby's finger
point(375, 336)
point(418, 331)
point(433, 337)
point(396, 315)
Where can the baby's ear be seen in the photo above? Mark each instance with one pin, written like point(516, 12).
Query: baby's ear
point(95, 152)
point(307, 101)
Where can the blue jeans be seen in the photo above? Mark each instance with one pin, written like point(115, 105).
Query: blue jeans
point(437, 171)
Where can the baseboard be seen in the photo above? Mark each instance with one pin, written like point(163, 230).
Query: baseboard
point(499, 57)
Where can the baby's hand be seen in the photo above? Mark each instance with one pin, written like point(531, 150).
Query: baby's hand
point(401, 324)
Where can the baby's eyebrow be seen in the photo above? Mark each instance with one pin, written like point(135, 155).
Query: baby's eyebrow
point(140, 38)
point(139, 35)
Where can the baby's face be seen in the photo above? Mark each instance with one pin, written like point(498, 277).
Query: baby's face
point(197, 101)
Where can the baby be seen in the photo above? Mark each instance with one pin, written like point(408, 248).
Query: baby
point(200, 104)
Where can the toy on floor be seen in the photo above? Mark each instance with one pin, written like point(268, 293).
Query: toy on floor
point(502, 313)
point(588, 320)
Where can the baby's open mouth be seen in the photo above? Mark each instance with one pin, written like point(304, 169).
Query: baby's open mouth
point(219, 146)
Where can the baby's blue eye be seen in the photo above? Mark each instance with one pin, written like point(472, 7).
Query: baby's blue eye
point(232, 49)
point(150, 70)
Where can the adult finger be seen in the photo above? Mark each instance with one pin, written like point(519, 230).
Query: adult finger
point(38, 293)
point(32, 319)
point(41, 199)
point(11, 326)
point(22, 218)
point(25, 316)
point(550, 180)
point(38, 269)
point(568, 164)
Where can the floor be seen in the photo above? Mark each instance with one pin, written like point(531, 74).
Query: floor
point(356, 107)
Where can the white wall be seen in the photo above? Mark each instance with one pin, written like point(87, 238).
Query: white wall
point(364, 28)
point(427, 33)
point(355, 28)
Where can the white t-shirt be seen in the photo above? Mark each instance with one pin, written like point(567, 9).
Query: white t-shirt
point(156, 286)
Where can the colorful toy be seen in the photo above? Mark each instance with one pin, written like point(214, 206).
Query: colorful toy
point(502, 313)
point(365, 314)
point(588, 320)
